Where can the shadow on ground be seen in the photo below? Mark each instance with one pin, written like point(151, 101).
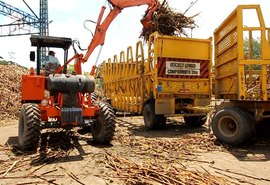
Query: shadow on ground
point(56, 146)
point(173, 128)
point(256, 149)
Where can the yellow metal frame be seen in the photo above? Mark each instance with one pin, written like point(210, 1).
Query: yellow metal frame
point(235, 77)
point(130, 81)
point(180, 48)
point(123, 81)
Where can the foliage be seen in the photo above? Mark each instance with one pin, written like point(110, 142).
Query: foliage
point(99, 79)
point(99, 71)
point(4, 62)
point(256, 51)
point(70, 68)
point(256, 48)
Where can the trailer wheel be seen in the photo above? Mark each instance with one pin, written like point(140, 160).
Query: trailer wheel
point(29, 127)
point(103, 127)
point(250, 124)
point(151, 120)
point(194, 121)
point(161, 121)
point(232, 126)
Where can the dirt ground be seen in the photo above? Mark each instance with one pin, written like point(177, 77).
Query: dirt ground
point(174, 155)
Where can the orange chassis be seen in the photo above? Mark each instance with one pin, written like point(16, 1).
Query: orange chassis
point(33, 90)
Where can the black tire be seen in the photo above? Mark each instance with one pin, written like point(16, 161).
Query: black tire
point(94, 97)
point(29, 127)
point(103, 127)
point(151, 120)
point(232, 126)
point(161, 121)
point(195, 121)
point(250, 124)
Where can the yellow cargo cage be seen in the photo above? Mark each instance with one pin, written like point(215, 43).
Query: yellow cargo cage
point(174, 79)
point(242, 69)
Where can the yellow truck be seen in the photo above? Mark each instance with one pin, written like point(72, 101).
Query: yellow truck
point(172, 78)
point(242, 71)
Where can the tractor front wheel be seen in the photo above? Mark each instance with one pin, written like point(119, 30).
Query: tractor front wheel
point(103, 127)
point(29, 127)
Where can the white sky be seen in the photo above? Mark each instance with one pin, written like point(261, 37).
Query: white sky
point(68, 17)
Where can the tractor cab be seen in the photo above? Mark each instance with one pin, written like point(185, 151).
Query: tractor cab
point(48, 41)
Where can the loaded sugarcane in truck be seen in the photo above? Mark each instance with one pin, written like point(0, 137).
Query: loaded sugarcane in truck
point(71, 101)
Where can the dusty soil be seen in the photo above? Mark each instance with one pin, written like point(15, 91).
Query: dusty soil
point(175, 155)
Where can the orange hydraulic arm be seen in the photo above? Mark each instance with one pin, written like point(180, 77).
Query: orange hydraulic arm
point(101, 28)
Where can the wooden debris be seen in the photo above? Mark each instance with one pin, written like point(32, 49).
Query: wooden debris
point(72, 175)
point(33, 182)
point(154, 173)
point(188, 145)
point(11, 167)
point(168, 21)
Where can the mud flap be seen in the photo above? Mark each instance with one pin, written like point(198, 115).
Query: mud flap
point(165, 106)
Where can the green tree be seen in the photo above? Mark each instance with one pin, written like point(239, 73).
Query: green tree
point(99, 79)
point(256, 51)
point(70, 68)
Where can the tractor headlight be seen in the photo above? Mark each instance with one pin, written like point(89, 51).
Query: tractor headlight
point(44, 103)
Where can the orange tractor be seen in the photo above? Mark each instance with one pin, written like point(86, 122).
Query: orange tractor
point(63, 100)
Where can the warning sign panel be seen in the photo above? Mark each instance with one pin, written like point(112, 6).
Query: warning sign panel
point(182, 68)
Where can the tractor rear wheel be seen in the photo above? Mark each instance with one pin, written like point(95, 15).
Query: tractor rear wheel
point(194, 121)
point(103, 127)
point(232, 125)
point(29, 127)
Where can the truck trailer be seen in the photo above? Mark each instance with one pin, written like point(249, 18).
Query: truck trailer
point(242, 82)
point(171, 77)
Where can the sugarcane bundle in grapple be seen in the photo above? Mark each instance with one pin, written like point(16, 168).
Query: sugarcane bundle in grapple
point(168, 21)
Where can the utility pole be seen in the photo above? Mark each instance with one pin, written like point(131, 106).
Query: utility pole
point(44, 24)
point(25, 23)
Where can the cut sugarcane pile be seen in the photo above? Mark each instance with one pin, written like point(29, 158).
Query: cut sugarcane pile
point(10, 90)
point(168, 21)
